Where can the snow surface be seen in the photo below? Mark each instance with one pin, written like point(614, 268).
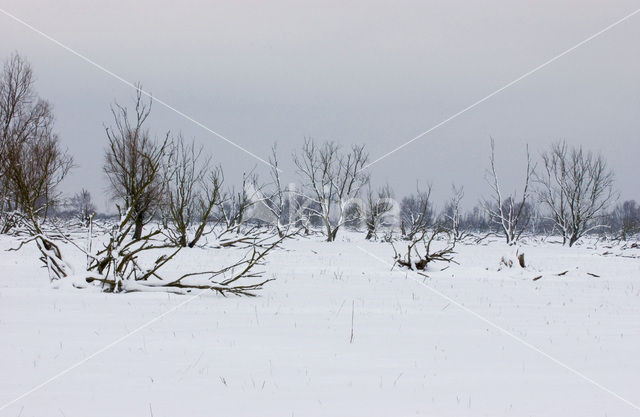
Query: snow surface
point(289, 352)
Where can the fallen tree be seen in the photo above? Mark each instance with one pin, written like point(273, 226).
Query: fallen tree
point(50, 253)
point(118, 267)
point(420, 249)
point(119, 270)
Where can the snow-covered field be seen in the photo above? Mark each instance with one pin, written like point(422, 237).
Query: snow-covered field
point(293, 351)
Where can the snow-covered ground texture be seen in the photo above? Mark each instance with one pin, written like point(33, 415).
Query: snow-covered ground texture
point(293, 351)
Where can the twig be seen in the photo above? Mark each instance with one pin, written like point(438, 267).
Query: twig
point(352, 313)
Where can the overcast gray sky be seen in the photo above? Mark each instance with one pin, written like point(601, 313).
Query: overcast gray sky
point(355, 72)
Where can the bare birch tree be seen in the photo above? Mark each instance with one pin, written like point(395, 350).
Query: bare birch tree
point(451, 216)
point(508, 212)
point(280, 201)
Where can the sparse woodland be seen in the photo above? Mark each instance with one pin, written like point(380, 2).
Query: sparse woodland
point(172, 196)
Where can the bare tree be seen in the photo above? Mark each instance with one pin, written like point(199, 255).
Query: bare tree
point(32, 162)
point(626, 218)
point(83, 206)
point(333, 179)
point(279, 201)
point(133, 162)
point(35, 167)
point(577, 188)
point(301, 210)
point(235, 204)
point(416, 213)
point(508, 212)
point(451, 216)
point(193, 190)
point(379, 206)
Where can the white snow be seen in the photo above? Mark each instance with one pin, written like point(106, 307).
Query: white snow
point(288, 352)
